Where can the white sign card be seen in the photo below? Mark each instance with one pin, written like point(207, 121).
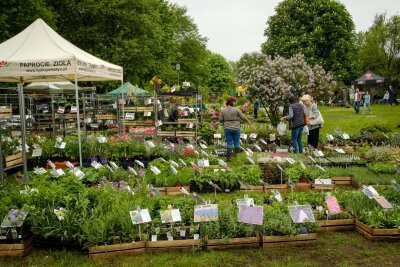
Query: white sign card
point(139, 163)
point(383, 202)
point(174, 163)
point(51, 164)
point(173, 169)
point(345, 136)
point(132, 170)
point(243, 136)
point(57, 173)
point(272, 137)
point(147, 114)
point(203, 146)
point(37, 152)
point(130, 116)
point(253, 135)
point(217, 136)
point(153, 238)
point(148, 101)
point(102, 139)
point(78, 173)
point(96, 165)
point(277, 195)
point(61, 110)
point(245, 201)
point(370, 191)
point(206, 213)
point(170, 216)
point(87, 120)
point(115, 167)
point(140, 216)
point(183, 162)
point(60, 145)
point(323, 181)
point(158, 123)
point(74, 109)
point(340, 151)
point(330, 137)
point(251, 214)
point(151, 144)
point(69, 165)
point(191, 110)
point(318, 153)
point(40, 171)
point(251, 160)
point(155, 170)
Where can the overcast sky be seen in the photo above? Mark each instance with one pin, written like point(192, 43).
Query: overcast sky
point(234, 27)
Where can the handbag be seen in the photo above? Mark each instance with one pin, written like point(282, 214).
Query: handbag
point(306, 131)
point(306, 120)
point(318, 120)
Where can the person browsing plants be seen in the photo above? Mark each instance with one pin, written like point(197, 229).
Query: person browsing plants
point(230, 118)
point(315, 120)
point(296, 118)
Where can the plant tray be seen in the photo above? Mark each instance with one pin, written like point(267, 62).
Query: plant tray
point(289, 241)
point(336, 225)
point(342, 180)
point(125, 249)
point(13, 160)
point(173, 245)
point(232, 243)
point(375, 234)
point(20, 249)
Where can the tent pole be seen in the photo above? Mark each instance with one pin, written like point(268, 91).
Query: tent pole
point(23, 129)
point(78, 120)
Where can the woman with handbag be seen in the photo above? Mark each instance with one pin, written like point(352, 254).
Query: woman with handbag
point(314, 120)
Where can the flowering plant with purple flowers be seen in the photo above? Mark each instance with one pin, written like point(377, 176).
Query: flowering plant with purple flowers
point(14, 218)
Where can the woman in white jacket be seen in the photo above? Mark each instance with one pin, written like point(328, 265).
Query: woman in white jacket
point(315, 120)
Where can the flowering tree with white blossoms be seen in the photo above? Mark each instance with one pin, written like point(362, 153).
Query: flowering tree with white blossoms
point(270, 80)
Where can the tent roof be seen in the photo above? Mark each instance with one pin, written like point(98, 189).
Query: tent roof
point(55, 88)
point(369, 78)
point(38, 53)
point(129, 89)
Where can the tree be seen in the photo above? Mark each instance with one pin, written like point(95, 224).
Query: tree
point(321, 30)
point(270, 80)
point(221, 74)
point(380, 48)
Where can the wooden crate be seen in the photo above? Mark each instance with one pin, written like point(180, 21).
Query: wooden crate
point(375, 234)
point(289, 241)
point(20, 249)
point(232, 243)
point(6, 112)
point(139, 109)
point(342, 180)
point(109, 251)
point(148, 123)
point(173, 245)
point(13, 160)
point(336, 225)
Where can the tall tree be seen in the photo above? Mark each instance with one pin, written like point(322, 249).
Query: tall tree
point(321, 30)
point(380, 48)
point(221, 74)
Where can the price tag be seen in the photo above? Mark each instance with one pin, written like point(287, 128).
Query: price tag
point(147, 114)
point(158, 123)
point(182, 233)
point(196, 236)
point(61, 110)
point(40, 171)
point(69, 165)
point(153, 238)
point(74, 109)
point(243, 136)
point(96, 165)
point(155, 170)
point(253, 135)
point(37, 152)
point(217, 136)
point(130, 116)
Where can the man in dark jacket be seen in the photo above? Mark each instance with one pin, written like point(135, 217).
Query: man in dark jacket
point(296, 118)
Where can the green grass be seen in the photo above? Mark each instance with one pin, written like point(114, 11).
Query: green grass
point(333, 249)
point(351, 123)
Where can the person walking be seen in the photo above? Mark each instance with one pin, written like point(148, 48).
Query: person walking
point(296, 119)
point(256, 106)
point(315, 120)
point(230, 118)
point(357, 100)
point(367, 101)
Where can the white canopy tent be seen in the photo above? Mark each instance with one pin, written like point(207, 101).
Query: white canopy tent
point(39, 54)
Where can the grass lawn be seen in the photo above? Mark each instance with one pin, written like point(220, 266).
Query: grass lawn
point(332, 249)
point(351, 123)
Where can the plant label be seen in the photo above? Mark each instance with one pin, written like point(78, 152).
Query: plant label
point(206, 213)
point(301, 213)
point(40, 171)
point(217, 136)
point(74, 109)
point(189, 125)
point(290, 160)
point(196, 236)
point(60, 145)
point(78, 173)
point(148, 101)
point(249, 152)
point(159, 123)
point(14, 218)
point(280, 168)
point(370, 191)
point(330, 137)
point(109, 168)
point(340, 151)
point(257, 147)
point(147, 114)
point(191, 110)
point(37, 152)
point(69, 165)
point(383, 202)
point(182, 233)
point(170, 216)
point(318, 153)
point(245, 202)
point(173, 169)
point(203, 146)
point(115, 167)
point(320, 168)
point(243, 136)
point(222, 163)
point(51, 164)
point(197, 168)
point(61, 110)
point(96, 165)
point(139, 163)
point(170, 237)
point(277, 195)
point(140, 216)
point(253, 135)
point(303, 166)
point(174, 163)
point(87, 120)
point(151, 144)
point(323, 181)
point(155, 170)
point(251, 160)
point(153, 238)
point(251, 214)
point(102, 139)
point(183, 162)
point(333, 205)
point(132, 170)
point(184, 191)
point(345, 136)
point(272, 137)
point(130, 116)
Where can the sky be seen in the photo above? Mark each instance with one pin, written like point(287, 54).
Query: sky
point(235, 27)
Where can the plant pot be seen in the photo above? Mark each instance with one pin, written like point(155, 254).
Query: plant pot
point(375, 234)
point(116, 250)
point(16, 248)
point(289, 241)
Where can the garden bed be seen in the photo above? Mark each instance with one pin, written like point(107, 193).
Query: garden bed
point(336, 225)
point(19, 248)
point(125, 249)
point(289, 241)
point(376, 234)
point(223, 244)
point(172, 245)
